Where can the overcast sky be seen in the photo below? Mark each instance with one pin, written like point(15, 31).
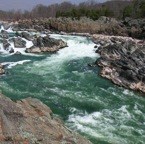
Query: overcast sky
point(29, 4)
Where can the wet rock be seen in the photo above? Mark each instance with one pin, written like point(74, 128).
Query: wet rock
point(11, 50)
point(5, 34)
point(96, 46)
point(46, 44)
point(19, 42)
point(6, 44)
point(17, 53)
point(27, 36)
point(30, 121)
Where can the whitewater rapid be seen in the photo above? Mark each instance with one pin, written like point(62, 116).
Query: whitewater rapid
point(78, 48)
point(89, 104)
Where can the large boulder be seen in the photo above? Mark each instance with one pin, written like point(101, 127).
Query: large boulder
point(6, 44)
point(29, 121)
point(19, 42)
point(46, 44)
point(5, 34)
point(25, 35)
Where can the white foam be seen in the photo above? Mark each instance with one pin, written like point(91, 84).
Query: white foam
point(94, 125)
point(137, 111)
point(12, 64)
point(29, 44)
point(10, 30)
point(2, 28)
point(104, 124)
point(78, 47)
point(127, 92)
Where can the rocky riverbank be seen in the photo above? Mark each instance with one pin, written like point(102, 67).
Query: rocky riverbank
point(39, 43)
point(29, 121)
point(122, 60)
point(18, 42)
point(104, 25)
point(84, 25)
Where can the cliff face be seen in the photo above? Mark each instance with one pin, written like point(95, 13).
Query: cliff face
point(29, 121)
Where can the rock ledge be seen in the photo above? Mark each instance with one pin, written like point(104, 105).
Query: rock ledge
point(29, 121)
point(122, 60)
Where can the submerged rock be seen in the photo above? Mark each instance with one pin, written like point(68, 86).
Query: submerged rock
point(46, 44)
point(17, 53)
point(11, 50)
point(2, 71)
point(5, 34)
point(30, 121)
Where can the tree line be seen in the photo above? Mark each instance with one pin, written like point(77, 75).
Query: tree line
point(91, 9)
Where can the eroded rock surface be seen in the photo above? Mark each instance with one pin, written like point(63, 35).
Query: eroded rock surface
point(122, 60)
point(19, 42)
point(46, 44)
point(29, 121)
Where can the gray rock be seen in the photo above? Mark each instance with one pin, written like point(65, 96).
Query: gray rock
point(46, 44)
point(19, 42)
point(17, 53)
point(5, 34)
point(27, 36)
point(11, 50)
point(123, 61)
point(6, 44)
point(31, 121)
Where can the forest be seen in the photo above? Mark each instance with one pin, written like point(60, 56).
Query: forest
point(119, 9)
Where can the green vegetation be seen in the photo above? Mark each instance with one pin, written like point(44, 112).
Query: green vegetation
point(114, 8)
point(84, 12)
point(135, 10)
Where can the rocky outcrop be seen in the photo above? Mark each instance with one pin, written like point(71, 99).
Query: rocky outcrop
point(4, 34)
point(46, 44)
point(103, 25)
point(25, 35)
point(19, 42)
point(122, 60)
point(30, 42)
point(29, 121)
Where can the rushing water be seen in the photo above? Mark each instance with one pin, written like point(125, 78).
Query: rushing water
point(87, 103)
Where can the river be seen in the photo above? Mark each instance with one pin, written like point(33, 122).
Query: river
point(88, 104)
